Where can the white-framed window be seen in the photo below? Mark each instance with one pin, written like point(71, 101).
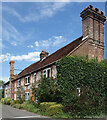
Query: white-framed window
point(47, 72)
point(26, 95)
point(18, 83)
point(27, 80)
point(79, 91)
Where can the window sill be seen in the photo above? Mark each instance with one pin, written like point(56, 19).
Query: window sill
point(27, 84)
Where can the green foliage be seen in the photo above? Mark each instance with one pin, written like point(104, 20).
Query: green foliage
point(45, 105)
point(51, 108)
point(2, 100)
point(46, 91)
point(55, 109)
point(20, 94)
point(6, 101)
point(90, 77)
point(1, 89)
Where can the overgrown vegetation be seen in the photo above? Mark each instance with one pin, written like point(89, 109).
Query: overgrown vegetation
point(46, 91)
point(20, 94)
point(90, 77)
point(1, 89)
point(78, 91)
point(6, 101)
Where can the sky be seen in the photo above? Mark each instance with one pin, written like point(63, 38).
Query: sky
point(30, 27)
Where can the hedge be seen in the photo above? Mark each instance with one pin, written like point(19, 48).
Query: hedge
point(51, 108)
point(6, 101)
point(90, 76)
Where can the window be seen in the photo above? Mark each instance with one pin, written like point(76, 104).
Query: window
point(78, 91)
point(27, 80)
point(47, 72)
point(18, 83)
point(27, 96)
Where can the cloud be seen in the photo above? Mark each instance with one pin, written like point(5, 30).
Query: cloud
point(45, 10)
point(37, 44)
point(58, 40)
point(30, 46)
point(53, 41)
point(12, 35)
point(32, 56)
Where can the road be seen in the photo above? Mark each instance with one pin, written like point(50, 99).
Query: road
point(9, 112)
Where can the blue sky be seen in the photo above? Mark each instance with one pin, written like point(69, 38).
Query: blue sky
point(29, 28)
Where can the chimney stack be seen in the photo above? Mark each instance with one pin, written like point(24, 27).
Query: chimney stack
point(93, 24)
point(93, 29)
point(11, 69)
point(43, 54)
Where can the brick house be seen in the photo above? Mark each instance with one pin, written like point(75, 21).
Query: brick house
point(91, 43)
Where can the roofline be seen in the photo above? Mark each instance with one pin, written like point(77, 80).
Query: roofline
point(47, 64)
point(78, 46)
point(35, 70)
point(7, 82)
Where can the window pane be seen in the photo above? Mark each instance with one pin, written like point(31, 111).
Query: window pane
point(28, 79)
point(25, 80)
point(48, 73)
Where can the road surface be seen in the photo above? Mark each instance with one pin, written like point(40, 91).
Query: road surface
point(9, 112)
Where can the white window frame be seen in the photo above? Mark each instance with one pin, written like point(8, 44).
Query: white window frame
point(27, 96)
point(27, 80)
point(46, 73)
point(79, 91)
point(18, 83)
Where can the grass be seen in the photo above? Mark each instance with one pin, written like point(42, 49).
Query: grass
point(32, 108)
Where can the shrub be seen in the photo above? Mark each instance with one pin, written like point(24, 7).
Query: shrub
point(2, 100)
point(5, 99)
point(46, 91)
point(45, 105)
point(8, 101)
point(55, 109)
point(90, 77)
point(51, 108)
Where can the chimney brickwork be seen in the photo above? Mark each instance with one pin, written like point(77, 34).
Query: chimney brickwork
point(93, 27)
point(12, 76)
point(11, 69)
point(43, 54)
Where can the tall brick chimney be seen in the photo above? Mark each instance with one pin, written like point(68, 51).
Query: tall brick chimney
point(93, 29)
point(11, 69)
point(43, 54)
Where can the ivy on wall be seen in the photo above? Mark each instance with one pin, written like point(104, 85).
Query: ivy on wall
point(88, 76)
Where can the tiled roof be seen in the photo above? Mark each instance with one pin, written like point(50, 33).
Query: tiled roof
point(52, 58)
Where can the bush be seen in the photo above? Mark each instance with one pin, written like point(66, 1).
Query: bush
point(2, 100)
point(5, 99)
point(51, 108)
point(46, 91)
point(55, 109)
point(90, 77)
point(45, 105)
point(8, 101)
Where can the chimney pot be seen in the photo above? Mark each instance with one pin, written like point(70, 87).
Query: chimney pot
point(43, 54)
point(90, 6)
point(101, 13)
point(96, 9)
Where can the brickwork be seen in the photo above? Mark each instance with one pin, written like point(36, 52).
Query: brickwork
point(93, 27)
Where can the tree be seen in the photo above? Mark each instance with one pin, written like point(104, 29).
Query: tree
point(1, 89)
point(47, 90)
point(20, 94)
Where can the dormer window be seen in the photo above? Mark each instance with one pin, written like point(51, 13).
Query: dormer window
point(27, 80)
point(18, 83)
